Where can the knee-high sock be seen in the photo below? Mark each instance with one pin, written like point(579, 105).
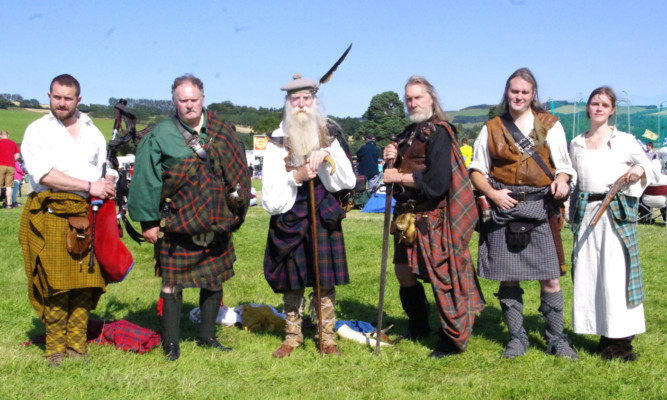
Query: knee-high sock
point(209, 305)
point(172, 304)
point(415, 305)
point(293, 305)
point(55, 319)
point(80, 301)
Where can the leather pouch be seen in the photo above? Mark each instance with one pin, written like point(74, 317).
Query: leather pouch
point(78, 236)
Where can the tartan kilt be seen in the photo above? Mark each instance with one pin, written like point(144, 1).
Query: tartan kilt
point(498, 262)
point(49, 267)
point(182, 263)
point(288, 259)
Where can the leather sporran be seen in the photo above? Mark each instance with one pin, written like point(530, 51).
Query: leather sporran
point(78, 235)
point(405, 227)
point(517, 233)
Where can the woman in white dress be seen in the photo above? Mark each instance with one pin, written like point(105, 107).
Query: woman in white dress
point(608, 290)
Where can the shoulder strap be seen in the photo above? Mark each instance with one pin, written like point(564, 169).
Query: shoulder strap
point(525, 144)
point(192, 141)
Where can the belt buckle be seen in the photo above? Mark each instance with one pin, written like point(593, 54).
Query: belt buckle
point(520, 196)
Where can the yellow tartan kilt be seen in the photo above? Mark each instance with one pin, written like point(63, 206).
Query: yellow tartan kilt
point(49, 267)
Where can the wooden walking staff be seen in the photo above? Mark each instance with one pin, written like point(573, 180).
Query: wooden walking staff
point(316, 262)
point(385, 250)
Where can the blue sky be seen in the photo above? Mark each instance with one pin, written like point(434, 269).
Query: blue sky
point(245, 50)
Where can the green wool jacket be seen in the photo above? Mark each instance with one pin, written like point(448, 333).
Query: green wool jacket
point(158, 151)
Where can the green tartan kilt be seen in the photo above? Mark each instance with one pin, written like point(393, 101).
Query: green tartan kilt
point(182, 263)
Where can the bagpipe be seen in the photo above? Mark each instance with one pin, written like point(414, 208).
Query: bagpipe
point(114, 258)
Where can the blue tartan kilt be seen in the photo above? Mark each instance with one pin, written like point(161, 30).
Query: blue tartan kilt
point(288, 259)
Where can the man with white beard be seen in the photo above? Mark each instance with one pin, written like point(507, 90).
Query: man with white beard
point(295, 156)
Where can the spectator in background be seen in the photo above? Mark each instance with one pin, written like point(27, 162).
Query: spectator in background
point(368, 155)
point(18, 179)
point(650, 153)
point(9, 153)
point(466, 151)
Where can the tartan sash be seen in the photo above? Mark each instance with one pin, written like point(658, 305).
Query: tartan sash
point(198, 192)
point(623, 211)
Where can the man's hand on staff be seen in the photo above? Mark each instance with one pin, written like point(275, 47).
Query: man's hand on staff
point(102, 189)
point(151, 234)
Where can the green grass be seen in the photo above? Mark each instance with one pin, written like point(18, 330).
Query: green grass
point(250, 371)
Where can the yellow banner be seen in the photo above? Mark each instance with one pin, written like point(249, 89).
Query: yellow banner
point(650, 135)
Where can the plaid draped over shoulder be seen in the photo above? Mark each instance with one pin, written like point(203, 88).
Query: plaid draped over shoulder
point(199, 204)
point(198, 193)
point(441, 251)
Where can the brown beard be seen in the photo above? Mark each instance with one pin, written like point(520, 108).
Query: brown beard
point(305, 130)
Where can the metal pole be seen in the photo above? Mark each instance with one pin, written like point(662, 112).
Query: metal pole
point(627, 101)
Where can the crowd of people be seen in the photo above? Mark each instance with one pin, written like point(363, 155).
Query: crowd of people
point(191, 190)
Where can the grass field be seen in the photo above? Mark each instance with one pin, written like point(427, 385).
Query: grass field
point(250, 371)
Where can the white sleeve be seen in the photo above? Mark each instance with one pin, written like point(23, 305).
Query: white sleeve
point(558, 151)
point(278, 186)
point(344, 177)
point(481, 160)
point(36, 151)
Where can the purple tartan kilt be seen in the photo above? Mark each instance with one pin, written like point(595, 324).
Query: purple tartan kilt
point(182, 263)
point(288, 260)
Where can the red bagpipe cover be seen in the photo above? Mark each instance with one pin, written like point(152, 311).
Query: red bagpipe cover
point(114, 258)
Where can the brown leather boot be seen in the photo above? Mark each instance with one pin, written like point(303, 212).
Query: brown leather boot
point(283, 351)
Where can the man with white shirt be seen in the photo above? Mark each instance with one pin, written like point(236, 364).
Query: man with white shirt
point(524, 179)
point(64, 153)
point(295, 157)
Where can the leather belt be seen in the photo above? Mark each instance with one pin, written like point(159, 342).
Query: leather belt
point(596, 196)
point(523, 196)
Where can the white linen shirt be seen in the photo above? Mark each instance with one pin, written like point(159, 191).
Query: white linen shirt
point(48, 145)
point(481, 159)
point(625, 151)
point(279, 189)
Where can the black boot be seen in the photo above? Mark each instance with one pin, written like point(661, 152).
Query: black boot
point(620, 349)
point(445, 346)
point(552, 309)
point(416, 307)
point(209, 306)
point(172, 303)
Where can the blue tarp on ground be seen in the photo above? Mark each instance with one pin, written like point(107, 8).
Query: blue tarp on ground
point(376, 203)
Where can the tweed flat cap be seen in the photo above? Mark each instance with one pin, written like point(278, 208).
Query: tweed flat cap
point(299, 83)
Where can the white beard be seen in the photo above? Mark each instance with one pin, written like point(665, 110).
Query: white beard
point(302, 127)
point(419, 115)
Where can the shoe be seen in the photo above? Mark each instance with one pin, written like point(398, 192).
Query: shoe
point(55, 360)
point(516, 347)
point(75, 355)
point(444, 348)
point(16, 204)
point(212, 342)
point(332, 350)
point(171, 350)
point(9, 207)
point(562, 348)
point(283, 351)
